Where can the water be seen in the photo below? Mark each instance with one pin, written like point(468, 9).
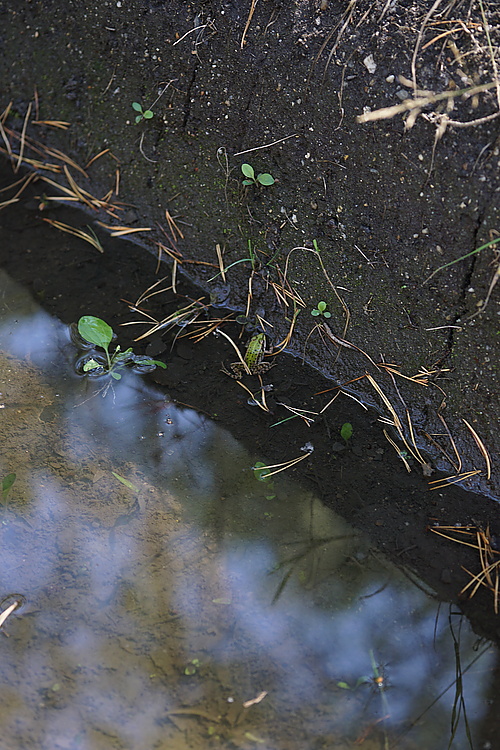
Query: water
point(168, 599)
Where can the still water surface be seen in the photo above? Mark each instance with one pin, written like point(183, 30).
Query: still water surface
point(168, 599)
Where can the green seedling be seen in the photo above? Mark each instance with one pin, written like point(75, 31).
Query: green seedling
point(7, 483)
point(346, 431)
point(321, 310)
point(264, 178)
point(144, 114)
point(98, 333)
point(192, 667)
point(260, 472)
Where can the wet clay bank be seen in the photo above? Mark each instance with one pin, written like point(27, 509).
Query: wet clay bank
point(386, 207)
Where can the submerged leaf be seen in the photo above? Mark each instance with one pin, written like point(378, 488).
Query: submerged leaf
point(7, 482)
point(125, 482)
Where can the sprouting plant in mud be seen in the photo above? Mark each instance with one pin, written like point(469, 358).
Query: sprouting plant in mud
point(346, 431)
point(94, 332)
point(144, 114)
point(321, 310)
point(263, 178)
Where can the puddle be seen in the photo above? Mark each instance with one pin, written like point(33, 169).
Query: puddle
point(169, 599)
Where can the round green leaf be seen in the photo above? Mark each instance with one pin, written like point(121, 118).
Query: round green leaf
point(248, 171)
point(148, 114)
point(265, 179)
point(315, 312)
point(137, 106)
point(327, 315)
point(321, 306)
point(346, 431)
point(138, 118)
point(95, 331)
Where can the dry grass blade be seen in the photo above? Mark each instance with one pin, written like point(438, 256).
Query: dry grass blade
point(8, 611)
point(439, 484)
point(400, 453)
point(89, 237)
point(343, 343)
point(284, 343)
point(123, 231)
point(253, 5)
point(458, 467)
point(61, 124)
point(65, 159)
point(221, 262)
point(481, 447)
point(23, 139)
point(240, 356)
point(284, 466)
point(255, 401)
point(302, 413)
point(488, 575)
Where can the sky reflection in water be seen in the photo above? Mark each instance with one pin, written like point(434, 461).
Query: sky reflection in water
point(149, 616)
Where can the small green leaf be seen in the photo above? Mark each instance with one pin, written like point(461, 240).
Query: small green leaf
point(321, 306)
point(248, 171)
point(125, 482)
point(90, 365)
point(137, 106)
point(7, 482)
point(95, 331)
point(158, 363)
point(346, 431)
point(315, 312)
point(327, 314)
point(248, 182)
point(138, 118)
point(116, 375)
point(343, 685)
point(265, 179)
point(190, 670)
point(260, 472)
point(147, 114)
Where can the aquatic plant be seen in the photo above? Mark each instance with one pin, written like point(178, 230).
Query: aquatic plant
point(264, 178)
point(7, 483)
point(95, 332)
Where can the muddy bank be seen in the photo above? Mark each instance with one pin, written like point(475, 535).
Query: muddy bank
point(360, 214)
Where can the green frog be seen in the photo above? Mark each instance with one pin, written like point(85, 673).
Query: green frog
point(256, 348)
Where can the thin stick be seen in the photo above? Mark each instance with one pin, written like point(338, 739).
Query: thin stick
point(249, 19)
point(481, 447)
point(266, 145)
point(23, 136)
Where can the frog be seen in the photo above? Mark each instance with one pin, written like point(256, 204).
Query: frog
point(253, 364)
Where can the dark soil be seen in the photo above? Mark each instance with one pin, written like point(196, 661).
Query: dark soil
point(387, 205)
point(363, 481)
